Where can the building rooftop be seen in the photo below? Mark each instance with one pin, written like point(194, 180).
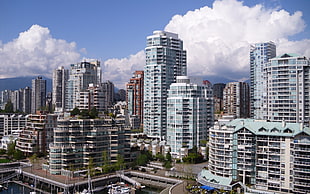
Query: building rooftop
point(211, 178)
point(286, 55)
point(261, 127)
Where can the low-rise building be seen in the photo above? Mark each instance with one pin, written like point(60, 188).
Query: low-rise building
point(12, 124)
point(80, 142)
point(37, 134)
point(271, 156)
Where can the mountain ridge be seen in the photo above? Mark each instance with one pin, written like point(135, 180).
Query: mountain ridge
point(22, 82)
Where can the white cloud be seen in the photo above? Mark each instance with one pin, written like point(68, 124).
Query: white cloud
point(217, 39)
point(35, 52)
point(119, 71)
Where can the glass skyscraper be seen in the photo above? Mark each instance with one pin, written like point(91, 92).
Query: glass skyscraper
point(260, 53)
point(165, 59)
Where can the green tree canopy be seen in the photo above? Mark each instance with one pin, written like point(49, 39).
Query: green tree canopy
point(168, 157)
point(75, 111)
point(93, 113)
point(8, 107)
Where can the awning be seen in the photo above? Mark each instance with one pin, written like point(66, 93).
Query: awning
point(207, 187)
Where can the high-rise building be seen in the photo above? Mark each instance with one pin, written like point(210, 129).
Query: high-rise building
point(135, 94)
point(236, 99)
point(108, 88)
point(17, 100)
point(27, 95)
point(218, 89)
point(81, 75)
point(5, 97)
point(287, 88)
point(38, 94)
point(60, 78)
point(165, 59)
point(188, 120)
point(260, 54)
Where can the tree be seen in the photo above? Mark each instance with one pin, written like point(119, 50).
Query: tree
point(160, 157)
point(33, 160)
point(75, 111)
point(91, 166)
point(18, 155)
point(105, 162)
point(84, 113)
point(9, 107)
point(120, 162)
point(168, 157)
point(11, 149)
point(167, 164)
point(143, 158)
point(93, 113)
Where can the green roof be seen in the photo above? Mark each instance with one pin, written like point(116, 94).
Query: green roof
point(259, 127)
point(211, 178)
point(285, 55)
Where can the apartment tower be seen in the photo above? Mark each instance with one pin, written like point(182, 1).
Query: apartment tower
point(38, 94)
point(236, 99)
point(188, 120)
point(81, 75)
point(134, 95)
point(165, 59)
point(287, 87)
point(60, 78)
point(260, 54)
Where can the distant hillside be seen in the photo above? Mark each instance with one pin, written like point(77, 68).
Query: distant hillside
point(21, 82)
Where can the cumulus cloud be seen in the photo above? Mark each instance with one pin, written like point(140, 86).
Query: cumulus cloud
point(119, 71)
point(217, 38)
point(35, 52)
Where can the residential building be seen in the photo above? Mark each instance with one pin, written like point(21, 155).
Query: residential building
point(21, 99)
point(27, 99)
point(5, 97)
point(38, 94)
point(38, 133)
point(287, 88)
point(80, 76)
point(17, 100)
point(60, 79)
point(260, 54)
point(77, 141)
point(135, 94)
point(218, 89)
point(187, 114)
point(93, 97)
point(271, 156)
point(165, 59)
point(12, 124)
point(108, 88)
point(237, 99)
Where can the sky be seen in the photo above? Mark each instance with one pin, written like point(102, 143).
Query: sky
point(39, 36)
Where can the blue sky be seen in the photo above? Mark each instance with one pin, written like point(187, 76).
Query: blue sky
point(115, 32)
